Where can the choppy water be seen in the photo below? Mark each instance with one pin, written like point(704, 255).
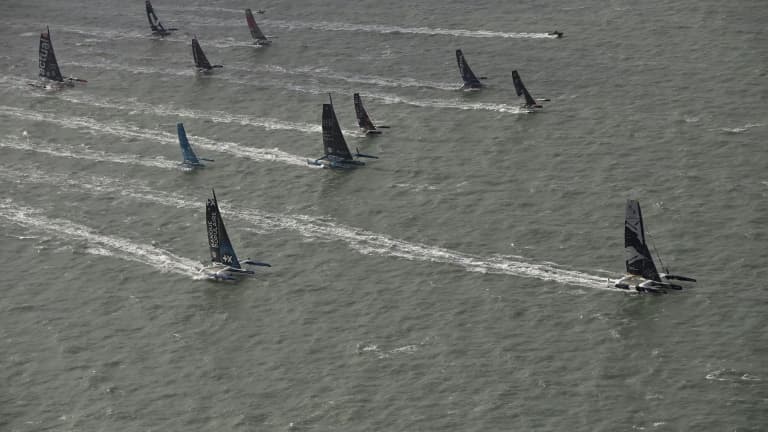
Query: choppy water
point(459, 283)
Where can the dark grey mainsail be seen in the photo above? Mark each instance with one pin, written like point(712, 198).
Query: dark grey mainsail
point(530, 102)
point(333, 139)
point(363, 120)
point(639, 260)
point(49, 68)
point(469, 78)
point(201, 61)
point(221, 248)
point(154, 23)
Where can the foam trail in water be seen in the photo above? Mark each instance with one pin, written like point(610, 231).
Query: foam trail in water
point(71, 152)
point(129, 131)
point(103, 244)
point(371, 28)
point(360, 240)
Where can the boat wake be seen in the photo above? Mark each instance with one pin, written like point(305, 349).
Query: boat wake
point(129, 131)
point(319, 229)
point(100, 244)
point(17, 143)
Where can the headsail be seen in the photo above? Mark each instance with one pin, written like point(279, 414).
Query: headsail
point(639, 259)
point(201, 61)
point(522, 91)
point(333, 140)
point(186, 150)
point(255, 30)
point(49, 68)
point(363, 120)
point(218, 240)
point(470, 80)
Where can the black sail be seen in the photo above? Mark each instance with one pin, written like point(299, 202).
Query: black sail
point(218, 240)
point(333, 140)
point(201, 61)
point(639, 260)
point(49, 68)
point(363, 120)
point(521, 90)
point(469, 78)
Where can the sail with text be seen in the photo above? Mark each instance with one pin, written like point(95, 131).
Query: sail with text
point(201, 61)
point(226, 266)
point(471, 82)
point(49, 67)
point(258, 37)
point(363, 120)
point(337, 154)
point(530, 102)
point(154, 23)
point(642, 274)
point(190, 158)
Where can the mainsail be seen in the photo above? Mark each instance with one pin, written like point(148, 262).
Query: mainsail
point(363, 120)
point(333, 140)
point(470, 80)
point(48, 66)
point(639, 259)
point(521, 90)
point(255, 31)
point(218, 240)
point(201, 61)
point(154, 23)
point(186, 150)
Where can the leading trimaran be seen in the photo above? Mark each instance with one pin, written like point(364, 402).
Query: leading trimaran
point(50, 76)
point(337, 154)
point(225, 265)
point(641, 274)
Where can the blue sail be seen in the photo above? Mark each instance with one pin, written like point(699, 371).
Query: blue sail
point(221, 248)
point(190, 158)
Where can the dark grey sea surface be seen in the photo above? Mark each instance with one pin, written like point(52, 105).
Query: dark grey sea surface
point(461, 282)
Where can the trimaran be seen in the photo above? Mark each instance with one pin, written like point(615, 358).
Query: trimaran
point(201, 61)
point(641, 274)
point(471, 82)
point(50, 75)
point(337, 154)
point(190, 159)
point(154, 23)
point(225, 265)
point(258, 37)
point(530, 103)
point(363, 119)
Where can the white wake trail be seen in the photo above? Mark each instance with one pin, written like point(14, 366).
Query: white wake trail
point(130, 131)
point(360, 240)
point(84, 153)
point(101, 244)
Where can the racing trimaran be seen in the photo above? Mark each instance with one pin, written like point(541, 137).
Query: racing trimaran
point(225, 265)
point(363, 119)
point(154, 23)
point(191, 161)
point(50, 76)
point(201, 61)
point(641, 274)
point(258, 37)
point(337, 154)
point(471, 82)
point(530, 103)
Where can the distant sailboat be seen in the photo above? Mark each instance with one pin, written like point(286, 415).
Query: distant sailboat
point(530, 102)
point(50, 76)
point(642, 275)
point(191, 161)
point(201, 61)
point(225, 265)
point(471, 82)
point(363, 120)
point(154, 23)
point(258, 37)
point(337, 154)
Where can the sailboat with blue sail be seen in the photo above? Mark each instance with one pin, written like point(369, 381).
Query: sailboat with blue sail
point(191, 161)
point(225, 265)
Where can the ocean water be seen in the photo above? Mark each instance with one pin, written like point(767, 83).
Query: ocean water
point(461, 282)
